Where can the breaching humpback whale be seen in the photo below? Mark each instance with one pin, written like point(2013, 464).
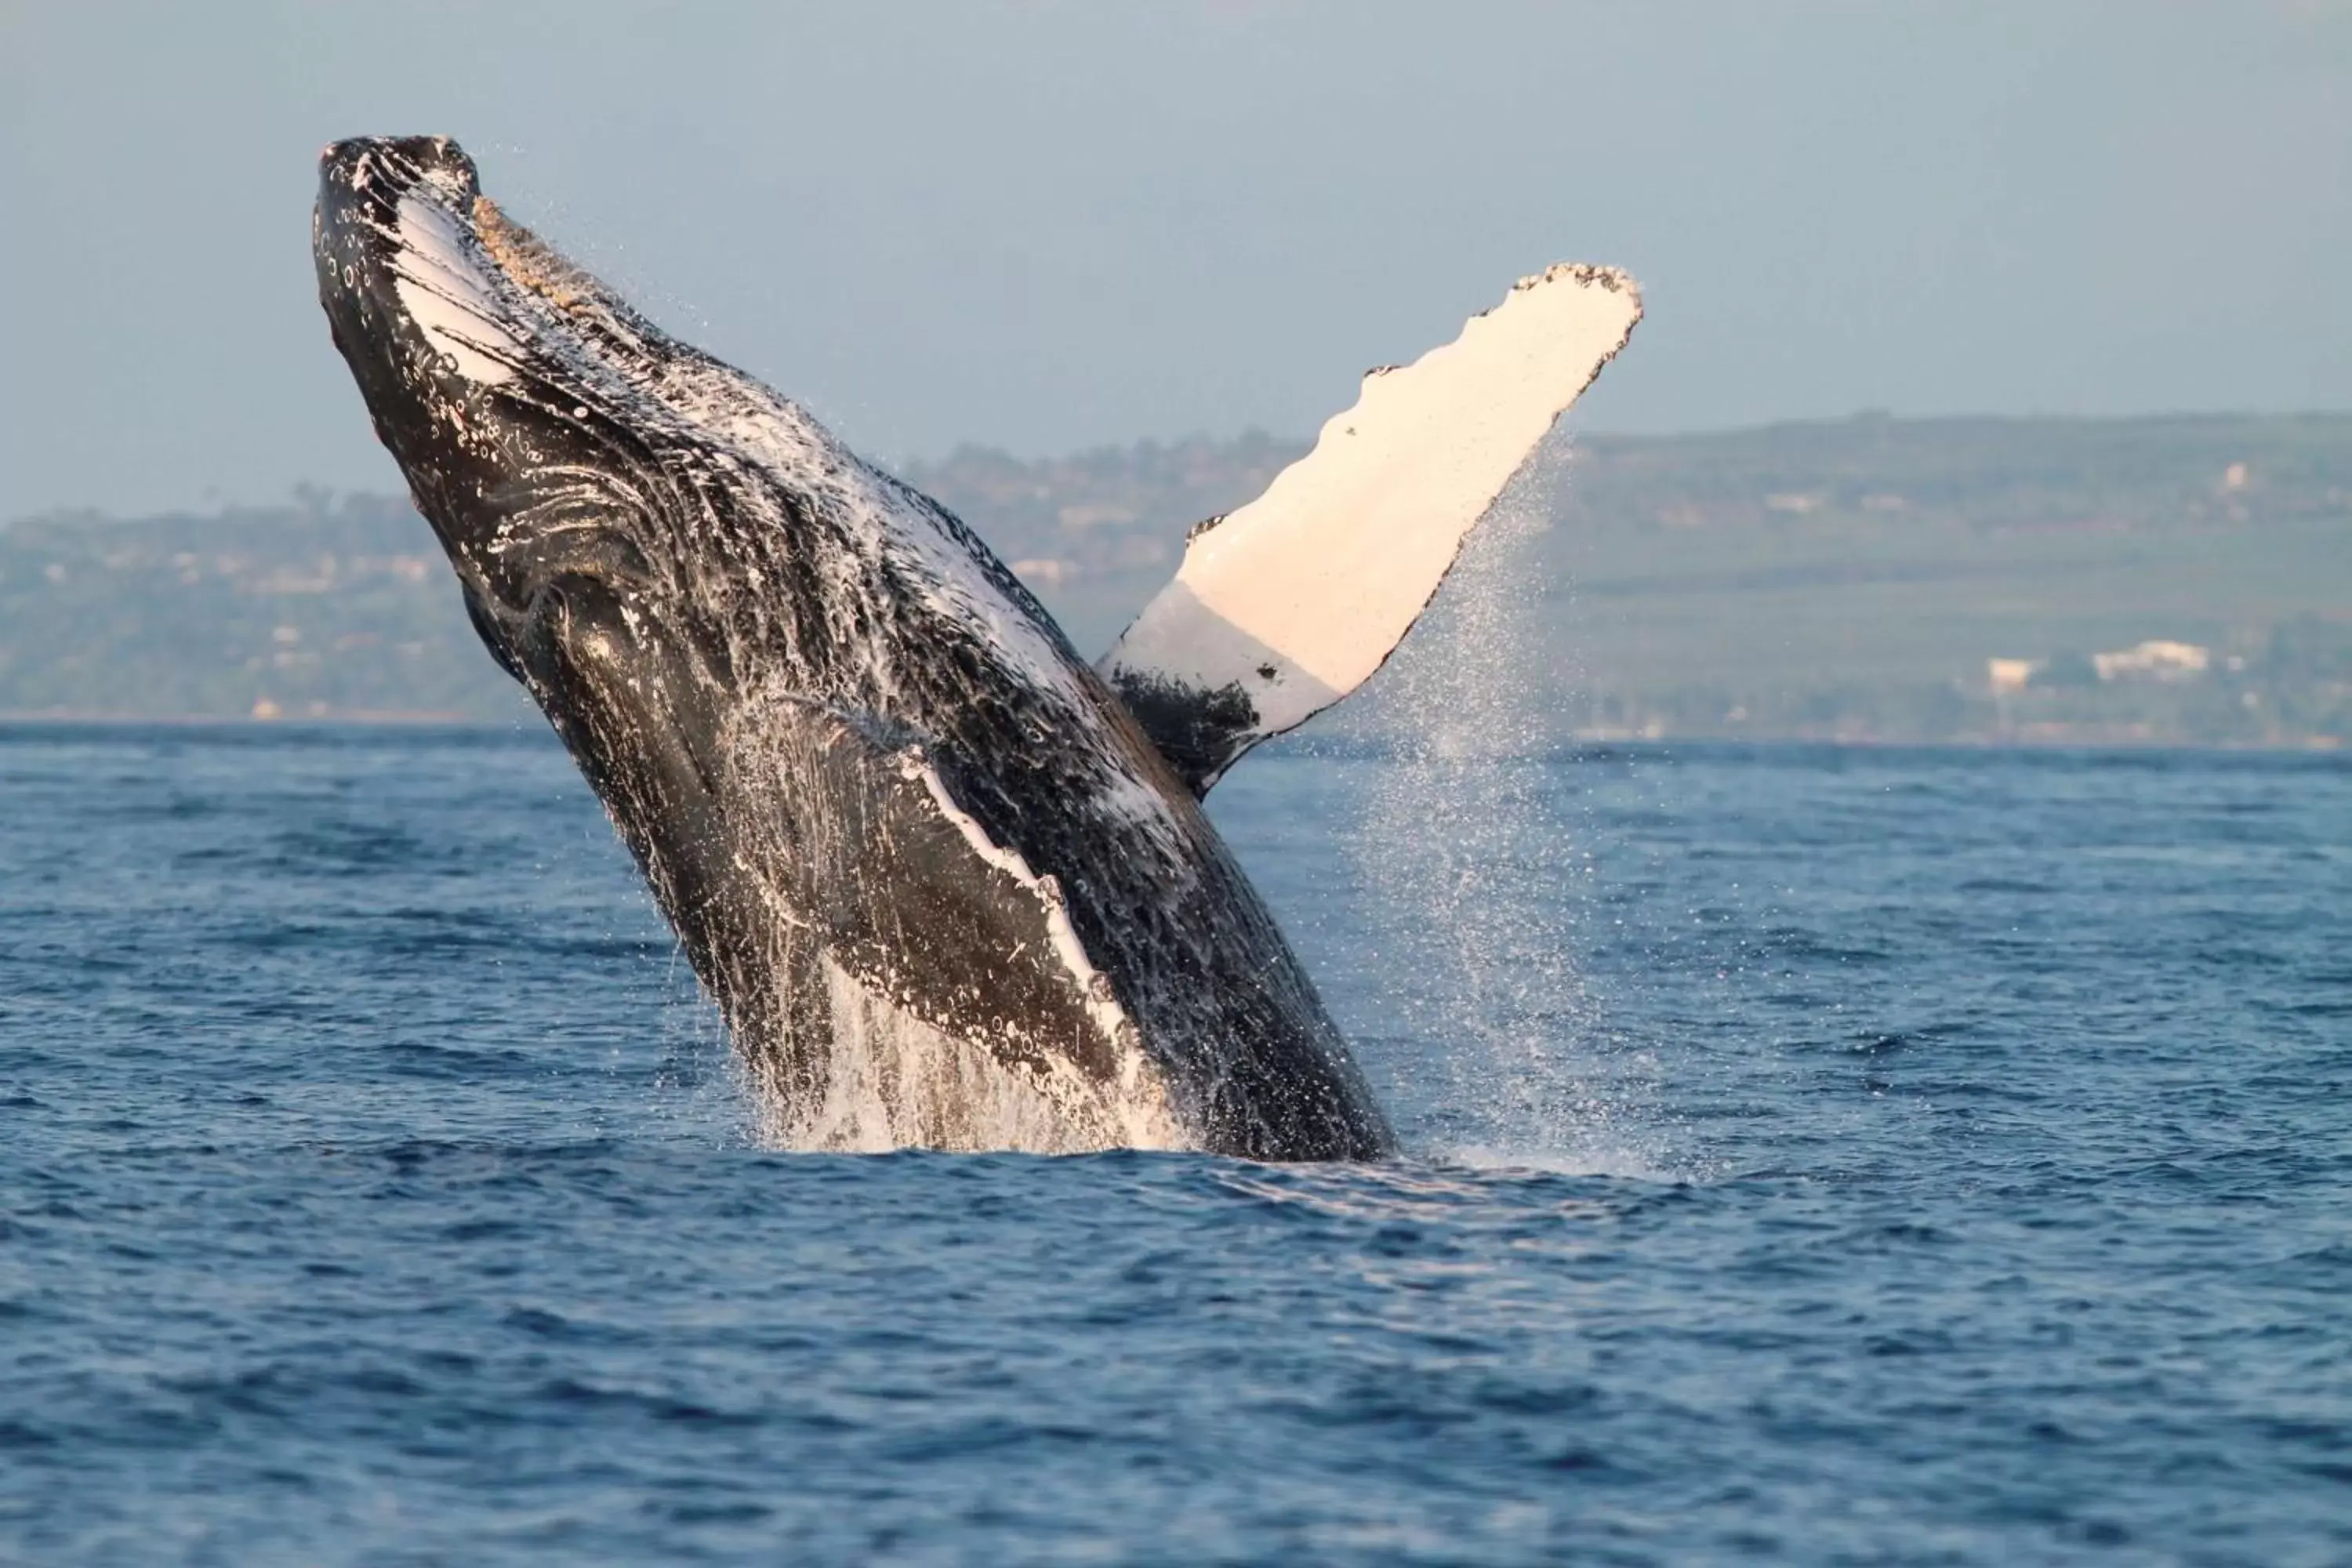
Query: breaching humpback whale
point(949, 885)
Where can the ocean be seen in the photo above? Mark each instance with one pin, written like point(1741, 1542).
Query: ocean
point(1811, 1154)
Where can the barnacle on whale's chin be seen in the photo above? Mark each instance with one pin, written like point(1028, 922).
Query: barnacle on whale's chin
point(528, 260)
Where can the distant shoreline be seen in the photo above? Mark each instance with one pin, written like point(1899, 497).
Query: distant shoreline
point(1336, 745)
point(371, 719)
point(2023, 583)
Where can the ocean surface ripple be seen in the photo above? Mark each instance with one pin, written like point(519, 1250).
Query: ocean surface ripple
point(1828, 1155)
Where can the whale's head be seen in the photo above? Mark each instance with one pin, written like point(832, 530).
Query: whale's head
point(604, 494)
point(439, 333)
point(485, 378)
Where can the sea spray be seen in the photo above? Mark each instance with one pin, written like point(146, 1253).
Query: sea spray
point(1473, 842)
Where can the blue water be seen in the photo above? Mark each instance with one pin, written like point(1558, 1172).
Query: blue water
point(1828, 1156)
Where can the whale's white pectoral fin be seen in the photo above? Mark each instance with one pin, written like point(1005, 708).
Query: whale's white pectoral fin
point(1286, 606)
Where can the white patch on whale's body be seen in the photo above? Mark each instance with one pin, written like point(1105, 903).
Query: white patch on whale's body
point(1102, 1005)
point(450, 293)
point(892, 1073)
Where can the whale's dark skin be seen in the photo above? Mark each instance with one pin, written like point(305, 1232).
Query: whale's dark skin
point(870, 782)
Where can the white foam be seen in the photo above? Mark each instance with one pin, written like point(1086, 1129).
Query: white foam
point(895, 1082)
point(1620, 1164)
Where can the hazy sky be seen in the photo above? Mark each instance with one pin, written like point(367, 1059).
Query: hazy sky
point(1047, 225)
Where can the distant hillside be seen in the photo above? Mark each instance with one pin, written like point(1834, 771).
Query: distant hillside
point(323, 607)
point(1097, 534)
point(1857, 579)
point(1871, 578)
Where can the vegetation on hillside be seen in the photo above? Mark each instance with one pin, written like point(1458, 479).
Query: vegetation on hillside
point(1868, 579)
